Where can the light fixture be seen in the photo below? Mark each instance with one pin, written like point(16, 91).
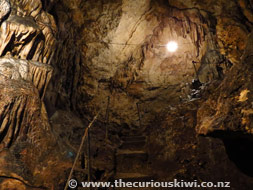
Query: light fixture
point(172, 46)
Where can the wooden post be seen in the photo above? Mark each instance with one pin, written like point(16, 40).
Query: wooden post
point(197, 76)
point(139, 113)
point(107, 117)
point(83, 159)
point(88, 155)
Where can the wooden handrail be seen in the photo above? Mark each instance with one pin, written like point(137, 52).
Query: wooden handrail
point(79, 151)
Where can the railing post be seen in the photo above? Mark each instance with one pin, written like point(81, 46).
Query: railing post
point(139, 113)
point(196, 72)
point(88, 155)
point(107, 117)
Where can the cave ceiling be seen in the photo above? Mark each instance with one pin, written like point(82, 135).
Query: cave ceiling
point(118, 50)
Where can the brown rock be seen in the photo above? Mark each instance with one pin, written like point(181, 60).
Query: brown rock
point(230, 104)
point(20, 108)
point(5, 9)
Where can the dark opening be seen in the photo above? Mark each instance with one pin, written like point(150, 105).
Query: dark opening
point(239, 148)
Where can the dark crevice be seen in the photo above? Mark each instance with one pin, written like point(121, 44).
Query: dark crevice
point(10, 46)
point(38, 39)
point(98, 174)
point(238, 148)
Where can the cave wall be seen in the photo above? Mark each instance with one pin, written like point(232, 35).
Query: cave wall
point(29, 151)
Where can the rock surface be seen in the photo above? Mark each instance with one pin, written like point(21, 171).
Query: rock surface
point(177, 152)
point(27, 45)
point(26, 141)
point(229, 107)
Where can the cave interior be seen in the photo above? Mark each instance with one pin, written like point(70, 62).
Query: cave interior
point(125, 89)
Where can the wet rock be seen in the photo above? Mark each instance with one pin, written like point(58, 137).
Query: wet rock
point(231, 27)
point(131, 64)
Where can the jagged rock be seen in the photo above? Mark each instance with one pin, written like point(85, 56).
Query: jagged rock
point(213, 66)
point(26, 8)
point(231, 27)
point(23, 120)
point(14, 69)
point(229, 107)
point(142, 70)
point(40, 75)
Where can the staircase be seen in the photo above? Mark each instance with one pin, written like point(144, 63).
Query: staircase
point(131, 161)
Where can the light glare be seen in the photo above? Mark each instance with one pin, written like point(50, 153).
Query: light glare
point(172, 46)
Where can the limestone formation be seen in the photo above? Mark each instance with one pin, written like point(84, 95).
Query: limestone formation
point(5, 9)
point(23, 85)
point(37, 73)
point(22, 38)
point(19, 104)
point(28, 33)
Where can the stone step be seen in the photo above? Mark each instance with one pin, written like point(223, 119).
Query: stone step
point(133, 145)
point(130, 152)
point(134, 138)
point(132, 132)
point(133, 177)
point(131, 161)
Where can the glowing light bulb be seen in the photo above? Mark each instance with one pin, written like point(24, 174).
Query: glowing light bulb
point(172, 46)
